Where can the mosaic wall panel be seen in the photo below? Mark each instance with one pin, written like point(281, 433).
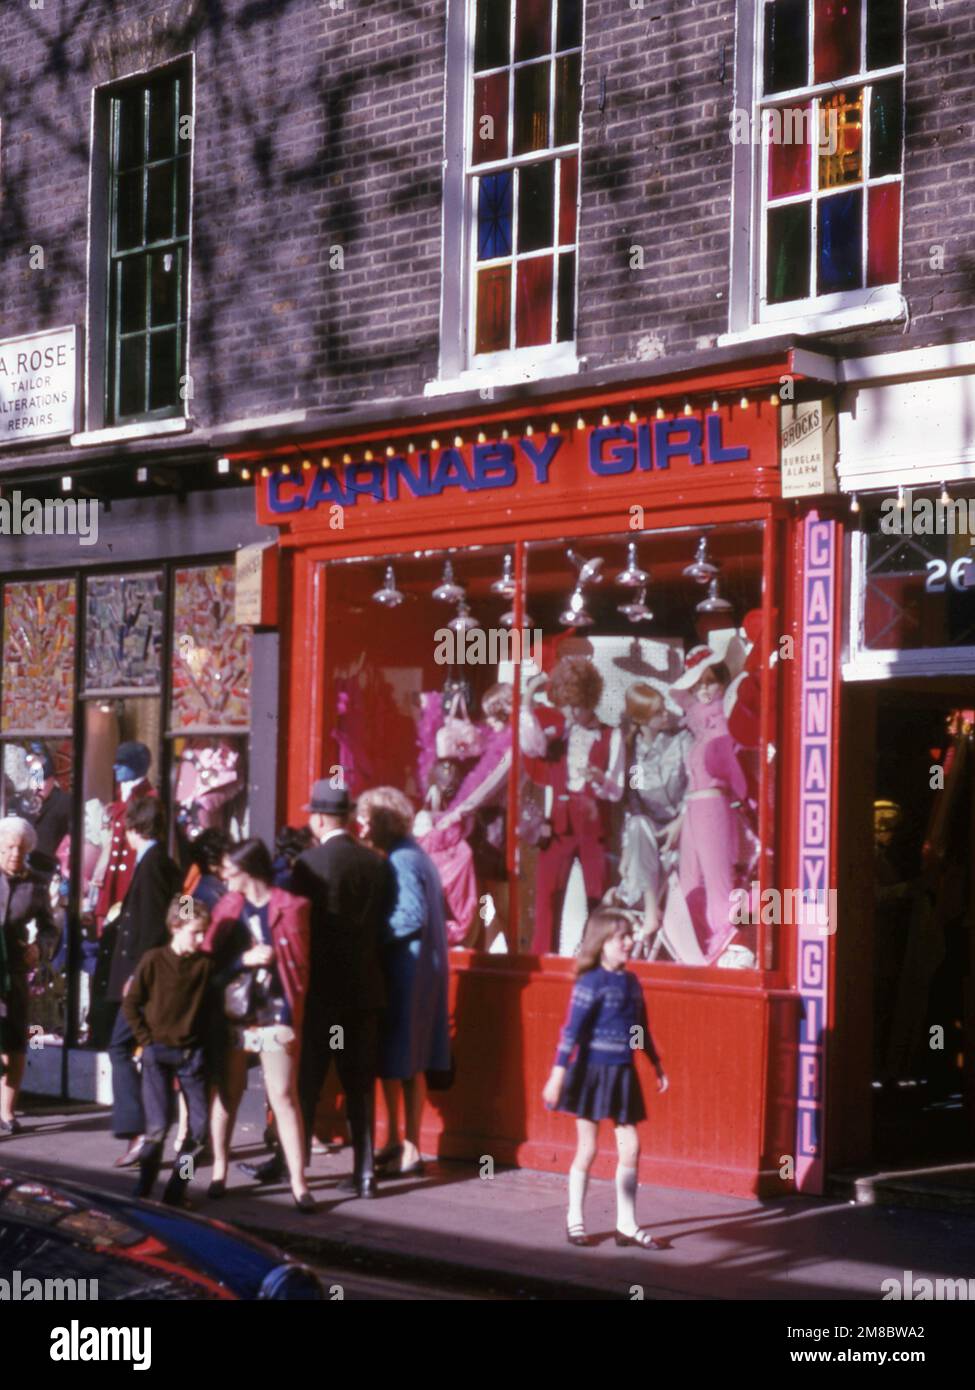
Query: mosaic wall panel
point(123, 632)
point(38, 656)
point(211, 654)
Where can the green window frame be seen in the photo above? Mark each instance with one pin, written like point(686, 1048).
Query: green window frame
point(148, 246)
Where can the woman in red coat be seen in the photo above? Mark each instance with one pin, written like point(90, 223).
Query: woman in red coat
point(260, 934)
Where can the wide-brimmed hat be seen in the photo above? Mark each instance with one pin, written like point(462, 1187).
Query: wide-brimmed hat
point(728, 650)
point(329, 800)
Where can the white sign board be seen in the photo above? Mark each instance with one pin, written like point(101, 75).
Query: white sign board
point(808, 437)
point(38, 386)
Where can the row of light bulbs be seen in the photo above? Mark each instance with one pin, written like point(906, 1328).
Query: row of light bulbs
point(702, 570)
point(286, 469)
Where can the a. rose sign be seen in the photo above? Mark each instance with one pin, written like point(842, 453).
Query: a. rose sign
point(38, 386)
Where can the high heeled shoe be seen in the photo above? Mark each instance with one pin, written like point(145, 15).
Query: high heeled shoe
point(306, 1203)
point(576, 1235)
point(641, 1237)
point(217, 1189)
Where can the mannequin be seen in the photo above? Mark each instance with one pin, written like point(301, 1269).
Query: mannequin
point(581, 765)
point(709, 831)
point(449, 850)
point(114, 870)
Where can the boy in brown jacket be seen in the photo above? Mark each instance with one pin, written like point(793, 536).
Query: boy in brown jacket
point(166, 1006)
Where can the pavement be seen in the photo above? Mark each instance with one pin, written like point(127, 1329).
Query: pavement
point(503, 1236)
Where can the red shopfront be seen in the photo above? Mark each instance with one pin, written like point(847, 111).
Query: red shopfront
point(532, 511)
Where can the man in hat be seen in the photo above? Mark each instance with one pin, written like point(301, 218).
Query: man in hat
point(114, 870)
point(52, 819)
point(350, 890)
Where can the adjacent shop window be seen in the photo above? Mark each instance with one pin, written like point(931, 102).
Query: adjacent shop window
point(148, 246)
point(828, 142)
point(628, 772)
point(913, 585)
point(522, 179)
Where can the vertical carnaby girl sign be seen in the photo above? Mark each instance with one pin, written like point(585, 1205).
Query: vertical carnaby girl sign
point(816, 777)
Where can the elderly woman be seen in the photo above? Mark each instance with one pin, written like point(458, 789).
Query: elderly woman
point(415, 1037)
point(23, 899)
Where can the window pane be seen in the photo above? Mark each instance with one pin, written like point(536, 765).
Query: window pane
point(128, 211)
point(533, 29)
point(837, 39)
point(789, 165)
point(841, 242)
point(533, 319)
point(165, 288)
point(132, 376)
point(884, 235)
point(885, 33)
point(493, 309)
point(209, 781)
point(568, 199)
point(38, 656)
point(132, 289)
point(536, 206)
point(568, 97)
point(569, 30)
point(492, 34)
point(886, 127)
point(159, 215)
point(123, 632)
point(531, 107)
point(788, 253)
point(490, 136)
point(786, 45)
point(162, 121)
point(131, 128)
point(163, 370)
point(182, 196)
point(566, 327)
point(211, 654)
point(494, 202)
point(841, 121)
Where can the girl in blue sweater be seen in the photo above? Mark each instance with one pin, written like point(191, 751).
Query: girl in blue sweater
point(594, 1076)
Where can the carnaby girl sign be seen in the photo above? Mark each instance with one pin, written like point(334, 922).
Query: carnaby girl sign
point(545, 464)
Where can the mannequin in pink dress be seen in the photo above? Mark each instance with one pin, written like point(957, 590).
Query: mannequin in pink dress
point(709, 832)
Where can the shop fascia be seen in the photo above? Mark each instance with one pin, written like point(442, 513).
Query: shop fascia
point(612, 451)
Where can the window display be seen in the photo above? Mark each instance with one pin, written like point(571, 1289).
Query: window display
point(628, 706)
point(211, 654)
point(123, 632)
point(38, 657)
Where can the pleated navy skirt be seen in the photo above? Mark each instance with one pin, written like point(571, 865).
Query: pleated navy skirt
point(593, 1091)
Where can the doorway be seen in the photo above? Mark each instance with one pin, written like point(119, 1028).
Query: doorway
point(922, 817)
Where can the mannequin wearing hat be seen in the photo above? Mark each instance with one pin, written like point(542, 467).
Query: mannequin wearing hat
point(580, 765)
point(709, 832)
point(114, 870)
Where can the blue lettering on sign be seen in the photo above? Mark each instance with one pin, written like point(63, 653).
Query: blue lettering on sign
point(670, 444)
point(644, 448)
point(365, 478)
point(716, 450)
point(274, 499)
point(491, 459)
point(541, 459)
point(620, 458)
point(418, 483)
point(451, 472)
point(327, 488)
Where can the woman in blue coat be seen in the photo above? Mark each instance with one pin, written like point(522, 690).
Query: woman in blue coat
point(415, 1036)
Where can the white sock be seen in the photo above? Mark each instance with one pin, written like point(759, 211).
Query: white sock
point(578, 1181)
point(626, 1184)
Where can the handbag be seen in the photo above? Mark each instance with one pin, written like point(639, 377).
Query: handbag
point(238, 1002)
point(458, 737)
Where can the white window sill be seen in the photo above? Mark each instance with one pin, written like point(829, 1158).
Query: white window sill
point(891, 310)
point(146, 429)
point(512, 370)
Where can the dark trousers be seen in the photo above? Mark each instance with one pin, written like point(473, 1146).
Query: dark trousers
point(354, 1050)
point(161, 1066)
point(128, 1118)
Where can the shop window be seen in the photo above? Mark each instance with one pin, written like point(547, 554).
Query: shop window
point(519, 160)
point(149, 139)
point(821, 161)
point(123, 632)
point(424, 666)
point(38, 657)
point(913, 588)
point(210, 706)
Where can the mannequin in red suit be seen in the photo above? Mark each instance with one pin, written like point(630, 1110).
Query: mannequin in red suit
point(576, 765)
point(114, 870)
